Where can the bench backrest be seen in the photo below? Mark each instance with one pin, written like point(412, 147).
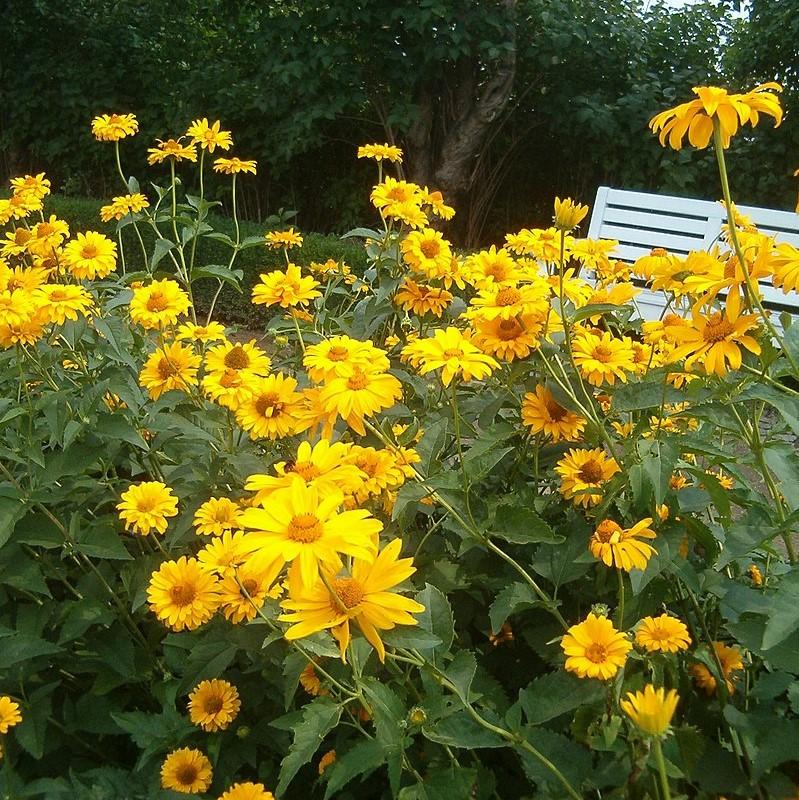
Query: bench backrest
point(640, 221)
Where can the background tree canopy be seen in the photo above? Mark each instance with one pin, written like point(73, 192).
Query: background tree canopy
point(500, 104)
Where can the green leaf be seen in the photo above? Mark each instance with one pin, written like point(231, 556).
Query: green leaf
point(388, 712)
point(572, 760)
point(31, 732)
point(410, 638)
point(160, 249)
point(363, 757)
point(639, 396)
point(783, 616)
point(460, 730)
point(448, 783)
point(154, 732)
point(461, 672)
point(783, 461)
point(520, 525)
point(232, 277)
point(557, 693)
point(363, 233)
point(658, 458)
point(101, 540)
point(319, 717)
point(11, 511)
point(436, 619)
point(22, 647)
point(508, 601)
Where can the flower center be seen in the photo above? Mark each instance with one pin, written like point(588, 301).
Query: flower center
point(508, 296)
point(237, 358)
point(659, 252)
point(166, 369)
point(44, 229)
point(672, 319)
point(186, 774)
point(430, 248)
point(182, 594)
point(603, 353)
point(338, 353)
point(453, 353)
point(606, 530)
point(348, 591)
point(305, 470)
point(731, 267)
point(591, 472)
point(213, 705)
point(509, 329)
point(21, 236)
point(597, 653)
point(250, 585)
point(89, 251)
point(157, 302)
point(305, 528)
point(357, 381)
point(398, 194)
point(268, 405)
point(57, 295)
point(229, 379)
point(555, 410)
point(717, 328)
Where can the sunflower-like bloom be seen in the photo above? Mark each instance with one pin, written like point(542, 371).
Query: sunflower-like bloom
point(492, 266)
point(300, 523)
point(283, 240)
point(362, 597)
point(509, 339)
point(508, 301)
point(568, 214)
point(213, 705)
point(9, 714)
point(715, 106)
point(619, 547)
point(113, 127)
point(380, 152)
point(187, 771)
point(270, 410)
point(436, 202)
point(359, 395)
point(247, 791)
point(323, 465)
point(191, 332)
point(37, 185)
point(658, 262)
point(594, 648)
point(209, 136)
point(224, 554)
point(542, 413)
point(245, 358)
point(182, 594)
point(714, 341)
point(65, 301)
point(244, 590)
point(158, 304)
point(172, 367)
point(90, 255)
point(652, 709)
point(392, 193)
point(421, 298)
point(217, 516)
point(427, 253)
point(171, 148)
point(663, 634)
point(583, 475)
point(731, 662)
point(604, 358)
point(18, 306)
point(285, 289)
point(232, 166)
point(784, 263)
point(122, 205)
point(453, 353)
point(337, 357)
point(145, 507)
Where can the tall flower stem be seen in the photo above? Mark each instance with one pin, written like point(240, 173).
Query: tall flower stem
point(657, 749)
point(135, 226)
point(620, 574)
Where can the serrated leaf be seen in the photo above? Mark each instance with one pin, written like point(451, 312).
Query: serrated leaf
point(521, 525)
point(460, 730)
point(555, 694)
point(508, 601)
point(363, 757)
point(436, 619)
point(639, 396)
point(460, 673)
point(572, 760)
point(388, 713)
point(160, 249)
point(232, 277)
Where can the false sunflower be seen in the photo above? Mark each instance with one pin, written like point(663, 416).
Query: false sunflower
point(285, 289)
point(213, 705)
point(145, 507)
point(731, 663)
point(182, 594)
point(359, 395)
point(9, 714)
point(113, 127)
point(421, 298)
point(270, 410)
point(603, 358)
point(209, 136)
point(158, 304)
point(90, 255)
point(542, 413)
point(620, 547)
point(583, 475)
point(594, 648)
point(652, 709)
point(187, 771)
point(173, 367)
point(453, 353)
point(663, 634)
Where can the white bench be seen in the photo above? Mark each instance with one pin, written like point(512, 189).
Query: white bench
point(640, 221)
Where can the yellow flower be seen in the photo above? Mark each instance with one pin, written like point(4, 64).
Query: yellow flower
point(113, 127)
point(755, 575)
point(421, 298)
point(490, 267)
point(247, 791)
point(212, 332)
point(619, 547)
point(568, 214)
point(583, 475)
point(602, 358)
point(37, 185)
point(65, 302)
point(90, 255)
point(229, 388)
point(785, 265)
point(508, 301)
point(300, 523)
point(17, 306)
point(451, 352)
point(731, 662)
point(309, 681)
point(209, 137)
point(243, 591)
point(664, 634)
point(658, 262)
point(593, 254)
point(187, 771)
point(213, 705)
point(9, 714)
point(543, 414)
point(145, 507)
point(362, 597)
point(509, 339)
point(338, 356)
point(171, 148)
point(391, 193)
point(381, 151)
point(47, 237)
point(595, 649)
point(216, 516)
point(158, 304)
point(652, 709)
point(224, 553)
point(232, 166)
point(182, 594)
point(173, 367)
point(436, 202)
point(285, 289)
point(123, 205)
point(246, 358)
point(271, 409)
point(279, 240)
point(359, 395)
point(715, 106)
point(427, 253)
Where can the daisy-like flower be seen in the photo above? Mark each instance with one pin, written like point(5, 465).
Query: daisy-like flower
point(9, 714)
point(338, 356)
point(784, 263)
point(243, 357)
point(124, 204)
point(216, 516)
point(172, 367)
point(665, 634)
point(359, 395)
point(17, 242)
point(37, 185)
point(232, 166)
point(285, 289)
point(326, 760)
point(171, 148)
point(436, 202)
point(714, 341)
point(243, 592)
point(542, 413)
point(283, 240)
point(731, 662)
point(492, 266)
point(620, 547)
point(65, 301)
point(427, 253)
point(187, 771)
point(507, 301)
point(191, 332)
point(47, 236)
point(568, 214)
point(213, 705)
point(19, 206)
point(595, 649)
point(223, 554)
point(715, 106)
point(18, 306)
point(182, 594)
point(658, 262)
point(583, 475)
point(299, 523)
point(113, 127)
point(90, 255)
point(158, 304)
point(593, 254)
point(309, 681)
point(229, 388)
point(209, 136)
point(421, 298)
point(145, 507)
point(509, 339)
point(453, 353)
point(652, 709)
point(543, 245)
point(247, 791)
point(410, 213)
point(602, 359)
point(380, 152)
point(391, 193)
point(270, 411)
point(362, 597)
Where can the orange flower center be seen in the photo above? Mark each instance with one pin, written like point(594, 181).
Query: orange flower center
point(44, 229)
point(348, 591)
point(430, 247)
point(672, 319)
point(166, 369)
point(603, 353)
point(89, 251)
point(659, 252)
point(186, 774)
point(269, 405)
point(509, 329)
point(237, 358)
point(591, 471)
point(182, 594)
point(717, 328)
point(157, 302)
point(597, 653)
point(338, 353)
point(213, 705)
point(606, 530)
point(57, 295)
point(453, 353)
point(305, 528)
point(304, 469)
point(357, 381)
point(250, 585)
point(21, 236)
point(731, 266)
point(508, 296)
point(555, 410)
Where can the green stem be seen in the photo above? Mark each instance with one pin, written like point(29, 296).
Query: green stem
point(664, 778)
point(620, 621)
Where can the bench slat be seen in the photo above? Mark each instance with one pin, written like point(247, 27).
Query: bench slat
point(650, 239)
point(654, 221)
